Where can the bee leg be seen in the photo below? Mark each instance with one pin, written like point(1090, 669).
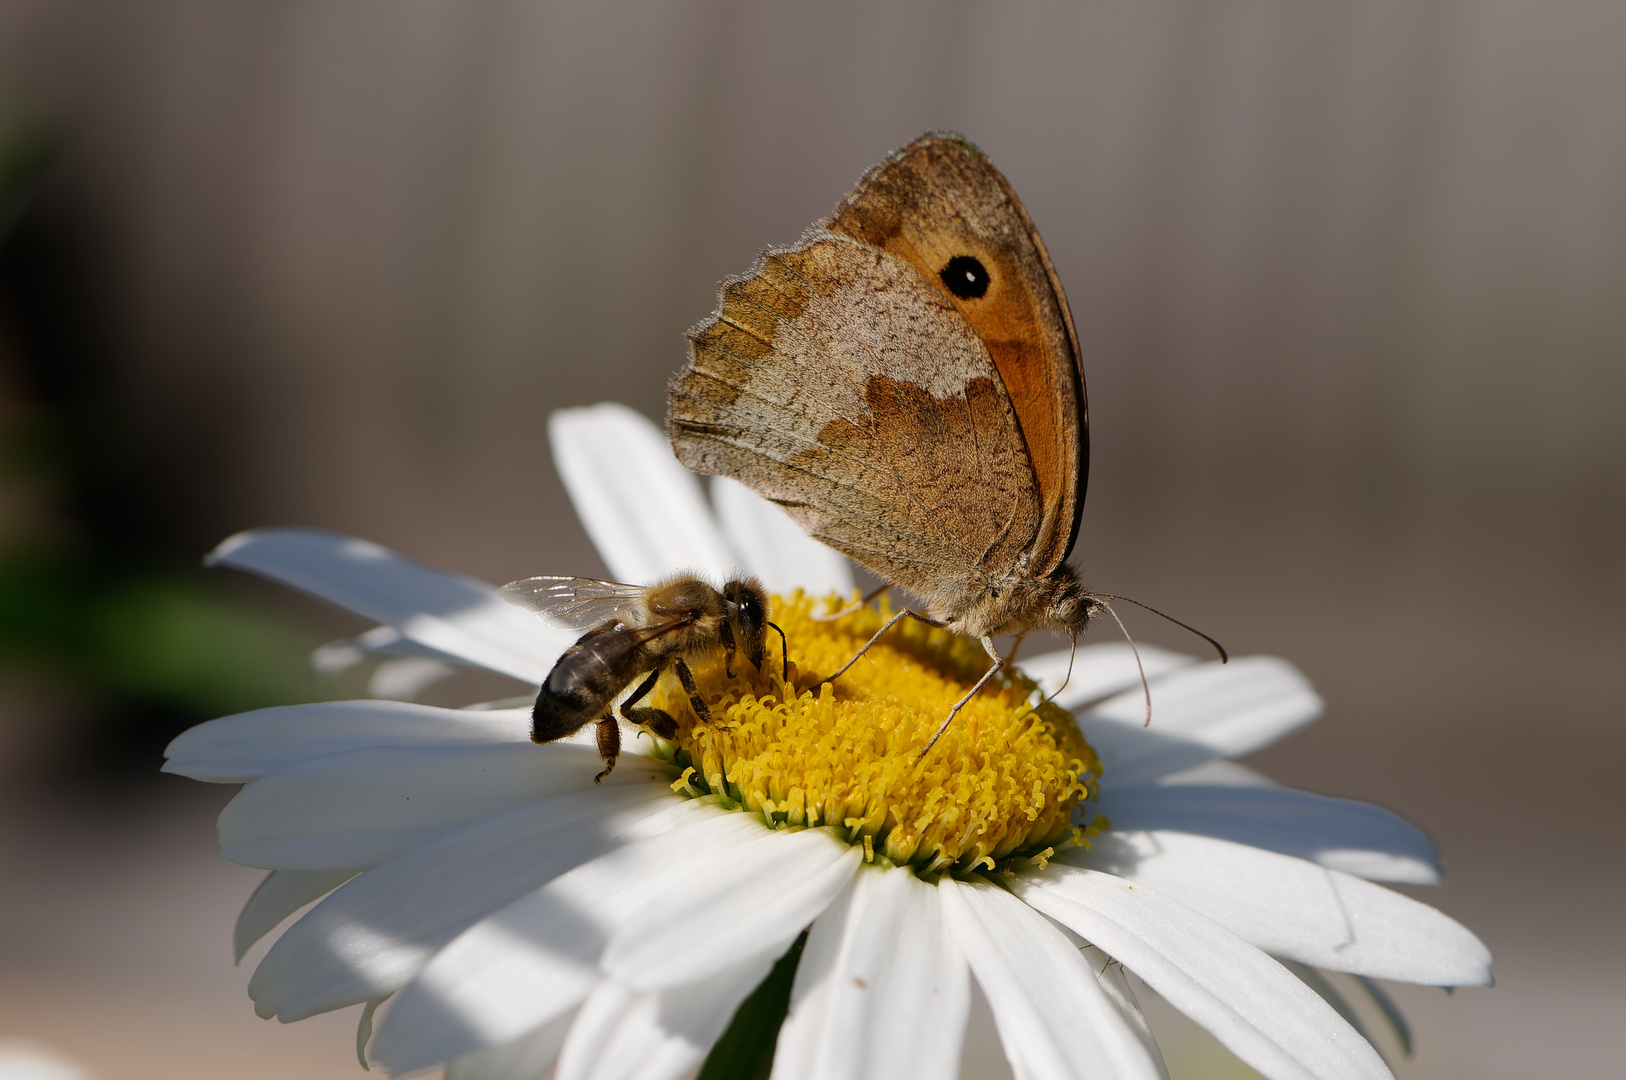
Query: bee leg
point(656, 720)
point(999, 662)
point(686, 677)
point(609, 745)
point(643, 689)
point(726, 633)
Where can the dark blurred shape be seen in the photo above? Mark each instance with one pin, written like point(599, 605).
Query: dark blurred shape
point(97, 613)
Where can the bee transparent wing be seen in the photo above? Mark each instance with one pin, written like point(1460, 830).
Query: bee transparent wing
point(577, 602)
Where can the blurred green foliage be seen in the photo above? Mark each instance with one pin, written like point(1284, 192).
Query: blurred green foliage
point(144, 638)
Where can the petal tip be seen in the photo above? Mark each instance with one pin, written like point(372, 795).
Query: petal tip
point(223, 550)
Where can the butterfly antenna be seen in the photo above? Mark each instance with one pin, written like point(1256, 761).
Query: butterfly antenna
point(1146, 687)
point(1223, 655)
point(784, 650)
point(850, 608)
point(1072, 654)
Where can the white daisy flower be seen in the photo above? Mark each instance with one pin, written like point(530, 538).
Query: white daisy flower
point(524, 919)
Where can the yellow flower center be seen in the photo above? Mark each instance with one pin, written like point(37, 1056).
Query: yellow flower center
point(1005, 782)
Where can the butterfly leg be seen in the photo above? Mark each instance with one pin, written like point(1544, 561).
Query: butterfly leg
point(890, 623)
point(1016, 644)
point(686, 677)
point(609, 745)
point(850, 608)
point(657, 720)
point(999, 662)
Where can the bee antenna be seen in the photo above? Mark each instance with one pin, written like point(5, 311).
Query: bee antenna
point(1223, 655)
point(1145, 687)
point(784, 650)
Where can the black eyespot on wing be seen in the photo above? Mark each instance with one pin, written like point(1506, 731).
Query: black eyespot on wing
point(965, 277)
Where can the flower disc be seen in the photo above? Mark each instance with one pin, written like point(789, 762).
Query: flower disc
point(1006, 780)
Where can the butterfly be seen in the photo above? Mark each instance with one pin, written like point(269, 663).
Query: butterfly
point(905, 382)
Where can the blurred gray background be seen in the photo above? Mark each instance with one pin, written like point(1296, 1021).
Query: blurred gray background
point(1350, 281)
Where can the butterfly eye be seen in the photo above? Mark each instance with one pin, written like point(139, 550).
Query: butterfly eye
point(965, 277)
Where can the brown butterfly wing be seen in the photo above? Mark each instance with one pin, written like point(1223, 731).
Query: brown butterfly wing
point(940, 198)
point(838, 383)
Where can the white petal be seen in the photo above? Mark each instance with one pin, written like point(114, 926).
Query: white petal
point(745, 897)
point(371, 936)
point(1390, 1011)
point(982, 1057)
point(1221, 772)
point(364, 1030)
point(282, 893)
point(1317, 980)
point(1343, 834)
point(358, 808)
point(1054, 1018)
point(1293, 908)
point(526, 1058)
point(404, 678)
point(337, 657)
point(244, 747)
point(1134, 756)
point(1099, 670)
point(771, 546)
point(538, 956)
point(622, 1034)
point(643, 510)
point(1248, 1001)
point(1233, 708)
point(881, 990)
point(23, 1058)
point(449, 613)
point(1115, 983)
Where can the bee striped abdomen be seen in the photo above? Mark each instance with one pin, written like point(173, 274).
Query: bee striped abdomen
point(582, 684)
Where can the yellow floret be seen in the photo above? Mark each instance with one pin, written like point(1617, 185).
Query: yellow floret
point(1003, 782)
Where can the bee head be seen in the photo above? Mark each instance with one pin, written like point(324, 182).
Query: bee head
point(747, 604)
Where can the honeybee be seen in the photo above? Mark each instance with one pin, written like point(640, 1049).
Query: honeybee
point(633, 629)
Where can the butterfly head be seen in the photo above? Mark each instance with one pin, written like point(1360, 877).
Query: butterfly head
point(1017, 603)
point(1067, 606)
